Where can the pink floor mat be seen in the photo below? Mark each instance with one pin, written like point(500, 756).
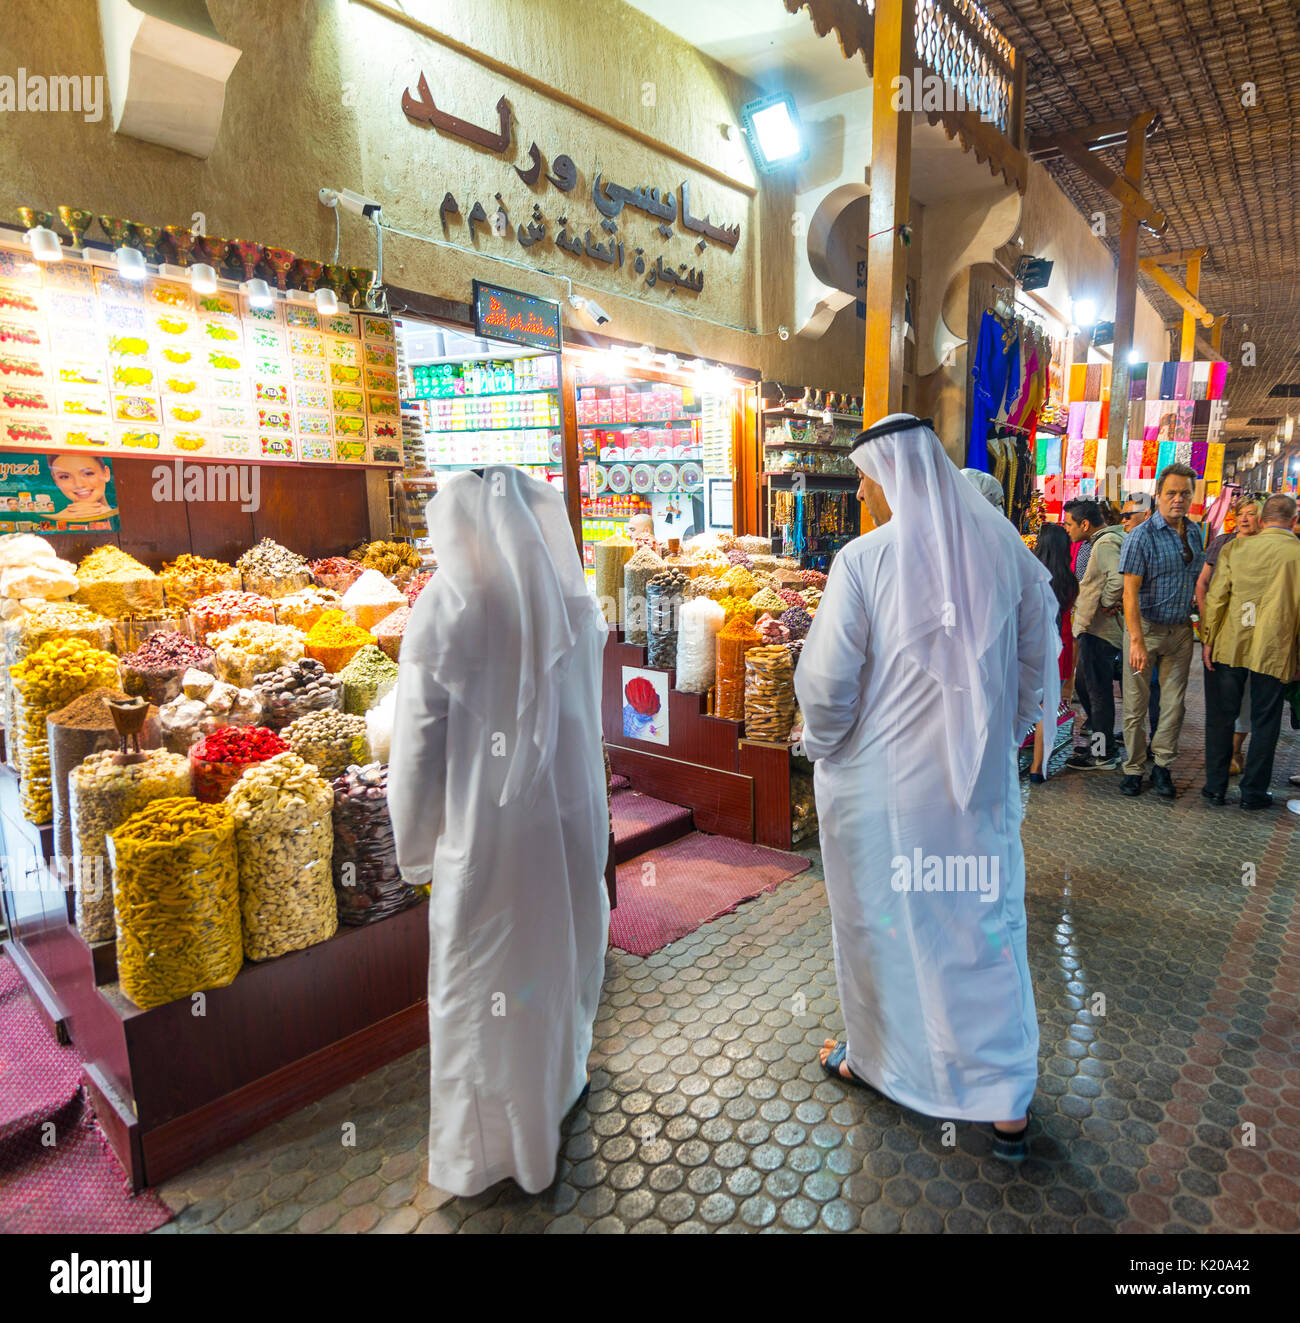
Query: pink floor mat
point(671, 891)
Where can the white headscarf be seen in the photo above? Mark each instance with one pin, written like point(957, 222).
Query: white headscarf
point(507, 605)
point(986, 484)
point(964, 570)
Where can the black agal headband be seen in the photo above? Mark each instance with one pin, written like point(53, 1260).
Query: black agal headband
point(888, 429)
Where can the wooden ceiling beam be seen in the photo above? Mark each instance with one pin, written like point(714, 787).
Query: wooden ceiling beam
point(1096, 137)
point(1179, 256)
point(1176, 292)
point(1117, 186)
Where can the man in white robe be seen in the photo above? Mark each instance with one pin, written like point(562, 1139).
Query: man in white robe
point(497, 797)
point(932, 653)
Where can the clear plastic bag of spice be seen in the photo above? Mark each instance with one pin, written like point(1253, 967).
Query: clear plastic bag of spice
point(663, 603)
point(160, 680)
point(103, 796)
point(284, 838)
point(769, 693)
point(290, 692)
point(176, 900)
point(367, 881)
point(734, 640)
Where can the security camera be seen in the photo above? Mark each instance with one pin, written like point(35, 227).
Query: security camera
point(350, 201)
point(589, 309)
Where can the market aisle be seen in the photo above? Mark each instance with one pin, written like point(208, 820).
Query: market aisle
point(709, 1109)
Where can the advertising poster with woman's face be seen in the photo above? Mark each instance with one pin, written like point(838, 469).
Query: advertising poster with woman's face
point(56, 492)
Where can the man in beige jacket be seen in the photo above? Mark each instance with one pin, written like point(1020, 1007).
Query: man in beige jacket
point(1100, 636)
point(1252, 632)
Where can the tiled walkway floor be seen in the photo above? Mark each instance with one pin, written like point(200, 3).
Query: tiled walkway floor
point(709, 1110)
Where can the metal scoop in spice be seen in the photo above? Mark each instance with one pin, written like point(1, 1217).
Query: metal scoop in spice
point(128, 717)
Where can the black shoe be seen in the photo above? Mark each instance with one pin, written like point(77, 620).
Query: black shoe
point(1080, 761)
point(1214, 796)
point(1163, 782)
point(1265, 802)
point(1131, 785)
point(1011, 1146)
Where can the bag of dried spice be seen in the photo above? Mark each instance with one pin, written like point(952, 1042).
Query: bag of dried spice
point(176, 900)
point(103, 796)
point(367, 882)
point(218, 760)
point(154, 669)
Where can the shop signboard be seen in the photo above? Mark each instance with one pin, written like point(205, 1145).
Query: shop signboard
point(517, 318)
point(57, 492)
point(93, 363)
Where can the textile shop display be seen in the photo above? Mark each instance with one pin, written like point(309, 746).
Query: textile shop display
point(995, 373)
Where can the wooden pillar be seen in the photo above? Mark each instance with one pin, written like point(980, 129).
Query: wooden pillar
point(891, 178)
point(1193, 286)
point(1216, 335)
point(1126, 293)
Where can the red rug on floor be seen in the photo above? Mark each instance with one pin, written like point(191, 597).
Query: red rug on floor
point(38, 1076)
point(667, 893)
point(57, 1173)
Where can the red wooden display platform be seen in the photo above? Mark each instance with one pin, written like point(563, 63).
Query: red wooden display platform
point(172, 1086)
point(735, 787)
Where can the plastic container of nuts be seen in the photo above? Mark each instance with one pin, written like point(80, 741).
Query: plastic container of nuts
point(284, 837)
point(289, 692)
point(176, 900)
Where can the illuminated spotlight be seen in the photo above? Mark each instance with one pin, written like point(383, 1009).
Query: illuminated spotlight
point(776, 137)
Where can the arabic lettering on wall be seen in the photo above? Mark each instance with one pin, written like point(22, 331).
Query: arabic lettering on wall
point(669, 207)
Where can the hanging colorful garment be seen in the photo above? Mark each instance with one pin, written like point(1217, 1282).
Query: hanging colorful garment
point(996, 374)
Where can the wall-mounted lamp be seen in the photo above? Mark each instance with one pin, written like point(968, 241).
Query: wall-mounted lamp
point(776, 137)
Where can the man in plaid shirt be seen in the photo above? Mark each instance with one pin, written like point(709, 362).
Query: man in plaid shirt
point(1160, 561)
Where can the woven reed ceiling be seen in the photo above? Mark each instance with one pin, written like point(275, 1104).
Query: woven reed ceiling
point(1224, 174)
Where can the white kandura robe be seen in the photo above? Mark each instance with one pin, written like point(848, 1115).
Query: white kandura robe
point(518, 921)
point(935, 989)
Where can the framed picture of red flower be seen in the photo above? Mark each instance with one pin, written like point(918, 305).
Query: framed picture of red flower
point(645, 705)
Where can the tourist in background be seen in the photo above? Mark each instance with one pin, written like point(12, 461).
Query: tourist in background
point(1252, 634)
point(1160, 561)
point(1099, 636)
point(1052, 547)
point(1246, 511)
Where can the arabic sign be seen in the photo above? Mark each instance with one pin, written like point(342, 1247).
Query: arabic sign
point(522, 319)
point(669, 208)
point(56, 493)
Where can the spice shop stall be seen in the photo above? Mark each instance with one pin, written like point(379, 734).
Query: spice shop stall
point(202, 613)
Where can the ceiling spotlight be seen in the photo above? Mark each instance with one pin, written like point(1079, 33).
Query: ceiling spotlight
point(203, 279)
point(45, 244)
point(775, 135)
point(259, 293)
point(1134, 356)
point(131, 264)
point(645, 354)
point(671, 362)
point(1085, 313)
point(327, 302)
